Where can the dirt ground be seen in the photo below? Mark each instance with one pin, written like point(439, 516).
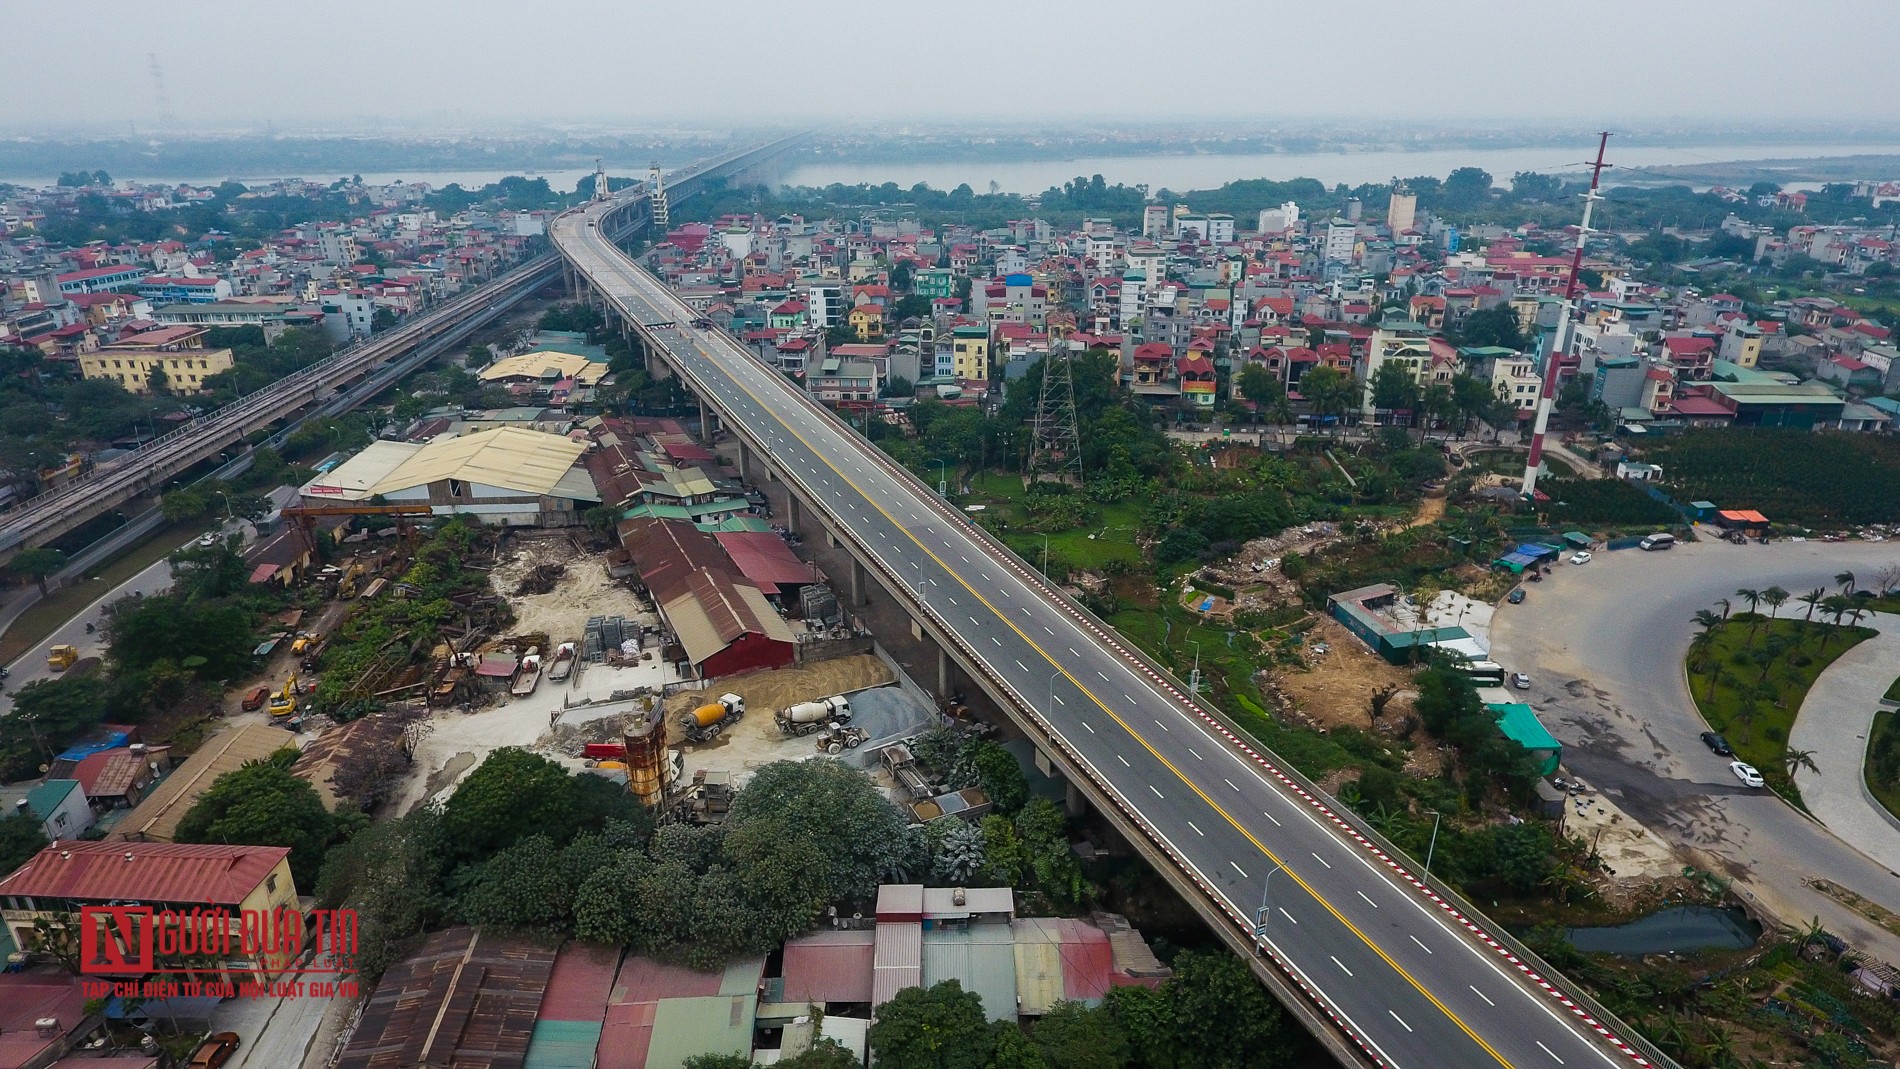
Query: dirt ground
point(1632, 854)
point(1430, 510)
point(1254, 572)
point(584, 591)
point(765, 692)
point(1336, 688)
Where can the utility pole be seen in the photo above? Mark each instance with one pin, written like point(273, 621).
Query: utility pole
point(1560, 339)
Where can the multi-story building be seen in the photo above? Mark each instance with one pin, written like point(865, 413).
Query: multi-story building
point(172, 289)
point(843, 380)
point(177, 355)
point(1401, 210)
point(1342, 238)
point(970, 352)
point(49, 892)
point(100, 279)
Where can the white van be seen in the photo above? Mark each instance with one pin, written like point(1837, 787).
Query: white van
point(1658, 541)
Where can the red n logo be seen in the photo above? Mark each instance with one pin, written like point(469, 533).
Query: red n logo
point(115, 939)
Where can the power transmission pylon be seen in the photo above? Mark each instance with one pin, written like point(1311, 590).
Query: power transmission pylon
point(656, 196)
point(1055, 449)
point(159, 97)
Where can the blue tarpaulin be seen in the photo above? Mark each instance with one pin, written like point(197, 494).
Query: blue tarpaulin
point(81, 750)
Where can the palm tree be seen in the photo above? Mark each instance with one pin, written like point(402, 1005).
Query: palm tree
point(1280, 413)
point(1834, 606)
point(1707, 619)
point(1846, 579)
point(1747, 709)
point(1699, 658)
point(1753, 597)
point(1795, 760)
point(1723, 602)
point(1811, 599)
point(1435, 403)
point(1774, 597)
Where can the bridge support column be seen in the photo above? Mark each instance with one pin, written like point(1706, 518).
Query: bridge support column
point(794, 512)
point(858, 583)
point(943, 673)
point(744, 458)
point(706, 424)
point(1073, 800)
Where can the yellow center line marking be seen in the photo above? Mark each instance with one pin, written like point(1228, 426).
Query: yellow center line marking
point(1169, 765)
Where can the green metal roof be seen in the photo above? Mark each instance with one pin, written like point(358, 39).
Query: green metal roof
point(562, 1045)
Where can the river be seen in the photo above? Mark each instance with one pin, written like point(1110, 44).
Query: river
point(1178, 173)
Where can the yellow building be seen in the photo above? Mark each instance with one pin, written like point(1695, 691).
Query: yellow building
point(178, 352)
point(971, 348)
point(868, 321)
point(42, 899)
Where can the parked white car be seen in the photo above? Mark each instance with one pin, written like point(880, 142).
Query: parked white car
point(1580, 558)
point(1520, 681)
point(1746, 773)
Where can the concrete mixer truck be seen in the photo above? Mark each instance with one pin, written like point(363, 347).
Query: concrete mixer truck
point(706, 722)
point(807, 717)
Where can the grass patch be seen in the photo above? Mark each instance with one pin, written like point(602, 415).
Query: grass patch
point(1893, 691)
point(1109, 537)
point(1751, 678)
point(1881, 741)
point(1511, 462)
point(47, 615)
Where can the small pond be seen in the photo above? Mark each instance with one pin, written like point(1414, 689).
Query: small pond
point(1678, 929)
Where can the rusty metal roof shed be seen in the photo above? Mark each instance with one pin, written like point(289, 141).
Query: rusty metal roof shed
point(463, 1001)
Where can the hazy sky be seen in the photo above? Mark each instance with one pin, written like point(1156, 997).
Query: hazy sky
point(472, 63)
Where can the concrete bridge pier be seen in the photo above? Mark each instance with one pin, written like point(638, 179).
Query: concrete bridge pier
point(860, 584)
point(708, 423)
point(794, 512)
point(1072, 797)
point(745, 460)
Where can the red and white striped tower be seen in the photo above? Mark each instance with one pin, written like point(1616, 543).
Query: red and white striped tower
point(1560, 341)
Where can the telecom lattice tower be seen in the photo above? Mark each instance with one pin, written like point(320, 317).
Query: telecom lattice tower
point(656, 196)
point(1055, 451)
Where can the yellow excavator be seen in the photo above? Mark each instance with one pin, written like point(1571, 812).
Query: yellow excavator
point(284, 702)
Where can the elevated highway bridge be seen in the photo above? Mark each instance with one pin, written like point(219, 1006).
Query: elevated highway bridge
point(340, 382)
point(1385, 965)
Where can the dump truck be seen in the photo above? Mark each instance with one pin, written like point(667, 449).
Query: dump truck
point(284, 702)
point(706, 722)
point(838, 738)
point(807, 717)
point(61, 657)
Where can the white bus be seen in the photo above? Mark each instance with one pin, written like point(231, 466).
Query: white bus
point(1483, 673)
point(1658, 540)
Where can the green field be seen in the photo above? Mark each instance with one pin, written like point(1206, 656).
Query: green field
point(1109, 537)
point(1751, 679)
point(1893, 691)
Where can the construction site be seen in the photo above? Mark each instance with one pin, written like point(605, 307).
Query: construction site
point(609, 654)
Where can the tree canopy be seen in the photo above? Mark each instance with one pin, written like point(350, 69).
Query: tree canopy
point(263, 804)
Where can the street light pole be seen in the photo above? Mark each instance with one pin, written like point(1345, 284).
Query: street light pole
point(1051, 704)
point(1260, 916)
point(232, 516)
point(1429, 850)
point(1194, 677)
point(1045, 556)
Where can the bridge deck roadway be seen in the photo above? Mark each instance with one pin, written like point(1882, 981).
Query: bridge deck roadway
point(1410, 979)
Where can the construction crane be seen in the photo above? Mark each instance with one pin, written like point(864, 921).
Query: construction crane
point(304, 517)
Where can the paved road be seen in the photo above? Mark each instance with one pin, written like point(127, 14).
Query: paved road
point(1604, 644)
point(1835, 719)
point(32, 664)
point(1390, 964)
